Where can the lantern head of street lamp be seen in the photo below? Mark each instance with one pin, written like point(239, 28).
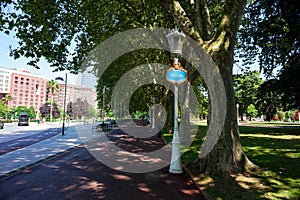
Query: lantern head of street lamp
point(175, 40)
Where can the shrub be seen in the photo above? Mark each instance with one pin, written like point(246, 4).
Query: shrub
point(290, 115)
point(6, 120)
point(281, 115)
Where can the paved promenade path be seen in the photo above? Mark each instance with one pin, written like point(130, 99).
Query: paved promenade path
point(62, 168)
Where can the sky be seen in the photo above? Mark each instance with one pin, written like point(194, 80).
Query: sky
point(45, 69)
point(9, 62)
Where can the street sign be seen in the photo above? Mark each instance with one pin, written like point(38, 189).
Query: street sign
point(176, 76)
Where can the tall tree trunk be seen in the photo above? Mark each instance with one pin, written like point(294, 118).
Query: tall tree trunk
point(227, 155)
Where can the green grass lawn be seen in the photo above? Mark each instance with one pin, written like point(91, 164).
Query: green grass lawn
point(275, 148)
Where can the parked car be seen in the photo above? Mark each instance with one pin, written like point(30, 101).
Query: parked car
point(23, 119)
point(1, 124)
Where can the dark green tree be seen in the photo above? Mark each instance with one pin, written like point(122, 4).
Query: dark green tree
point(6, 99)
point(52, 87)
point(270, 33)
point(251, 111)
point(269, 99)
point(70, 111)
point(289, 83)
point(45, 110)
point(246, 87)
point(78, 109)
point(3, 108)
point(281, 93)
point(31, 112)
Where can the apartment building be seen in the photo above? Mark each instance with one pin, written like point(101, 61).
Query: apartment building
point(74, 92)
point(27, 89)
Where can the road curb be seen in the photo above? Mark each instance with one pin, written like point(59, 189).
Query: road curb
point(206, 196)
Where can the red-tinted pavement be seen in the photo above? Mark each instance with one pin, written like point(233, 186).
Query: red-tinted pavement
point(76, 174)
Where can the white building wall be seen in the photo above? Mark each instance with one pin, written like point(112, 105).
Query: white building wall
point(5, 80)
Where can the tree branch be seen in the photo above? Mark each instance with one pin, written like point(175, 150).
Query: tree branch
point(203, 19)
point(225, 37)
point(182, 19)
point(129, 8)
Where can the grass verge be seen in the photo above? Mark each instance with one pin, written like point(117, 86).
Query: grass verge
point(275, 149)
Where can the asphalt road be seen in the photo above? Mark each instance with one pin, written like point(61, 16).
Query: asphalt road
point(76, 174)
point(15, 144)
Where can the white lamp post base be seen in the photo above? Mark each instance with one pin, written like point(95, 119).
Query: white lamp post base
point(175, 167)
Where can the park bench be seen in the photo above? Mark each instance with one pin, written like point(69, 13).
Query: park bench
point(104, 126)
point(97, 127)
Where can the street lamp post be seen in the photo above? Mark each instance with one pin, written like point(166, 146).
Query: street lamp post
point(153, 113)
point(103, 106)
point(175, 167)
point(175, 44)
point(51, 107)
point(65, 98)
point(237, 112)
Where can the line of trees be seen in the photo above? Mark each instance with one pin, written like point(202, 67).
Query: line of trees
point(74, 110)
point(12, 113)
point(275, 98)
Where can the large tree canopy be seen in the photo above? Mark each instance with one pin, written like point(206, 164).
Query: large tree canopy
point(282, 92)
point(270, 32)
point(289, 83)
point(64, 32)
point(49, 30)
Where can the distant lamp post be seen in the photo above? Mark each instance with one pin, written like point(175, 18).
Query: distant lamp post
point(51, 108)
point(237, 112)
point(103, 96)
point(174, 75)
point(65, 98)
point(153, 113)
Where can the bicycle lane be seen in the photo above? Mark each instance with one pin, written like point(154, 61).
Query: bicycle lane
point(26, 156)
